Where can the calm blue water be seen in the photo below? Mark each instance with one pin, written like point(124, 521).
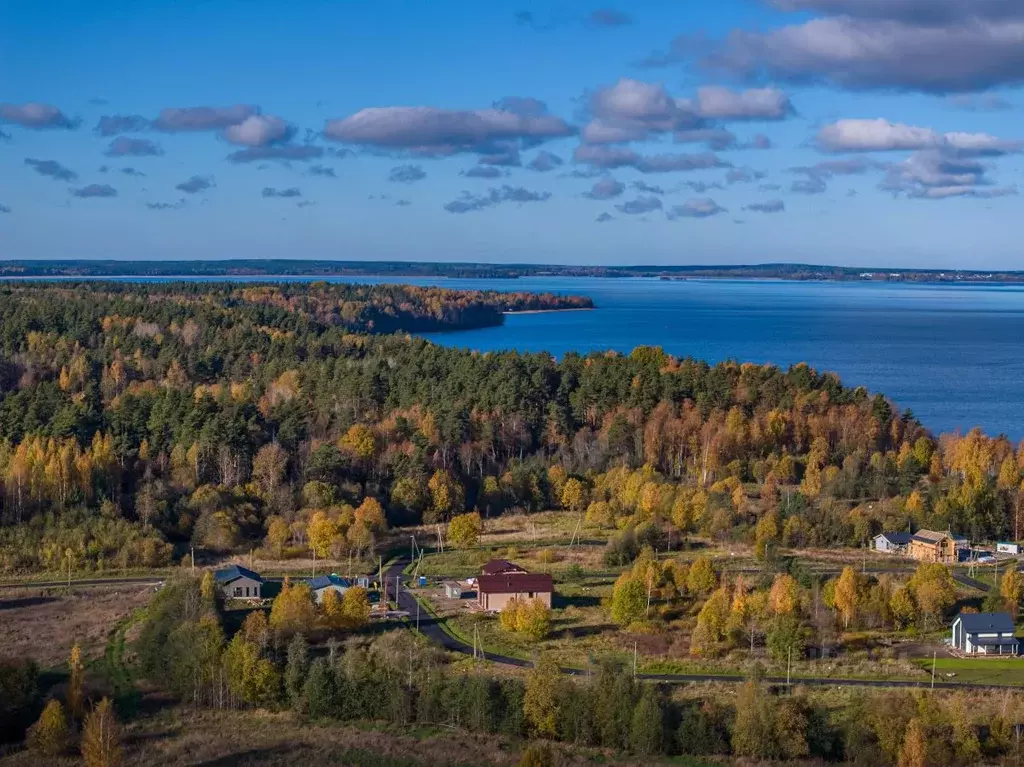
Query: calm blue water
point(952, 354)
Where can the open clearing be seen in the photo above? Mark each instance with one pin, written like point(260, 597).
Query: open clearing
point(44, 624)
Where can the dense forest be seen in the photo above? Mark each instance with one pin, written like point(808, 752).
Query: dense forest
point(296, 267)
point(137, 418)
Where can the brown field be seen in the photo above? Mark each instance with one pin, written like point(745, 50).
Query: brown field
point(44, 624)
point(179, 736)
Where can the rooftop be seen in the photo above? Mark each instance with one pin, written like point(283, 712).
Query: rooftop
point(497, 566)
point(514, 583)
point(986, 623)
point(323, 581)
point(930, 536)
point(234, 572)
point(899, 539)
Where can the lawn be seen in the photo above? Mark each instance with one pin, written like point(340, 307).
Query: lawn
point(977, 670)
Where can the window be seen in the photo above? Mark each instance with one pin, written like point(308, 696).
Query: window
point(247, 591)
point(531, 595)
point(238, 591)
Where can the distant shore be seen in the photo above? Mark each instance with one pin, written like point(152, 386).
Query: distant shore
point(285, 269)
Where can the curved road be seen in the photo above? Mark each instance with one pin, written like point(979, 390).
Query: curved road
point(431, 628)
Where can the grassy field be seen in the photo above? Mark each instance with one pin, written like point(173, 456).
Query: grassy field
point(44, 624)
point(1007, 671)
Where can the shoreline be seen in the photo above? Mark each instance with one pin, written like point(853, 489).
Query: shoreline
point(553, 311)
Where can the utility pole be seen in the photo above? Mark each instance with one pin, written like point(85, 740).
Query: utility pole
point(789, 664)
point(397, 585)
point(634, 660)
point(417, 616)
point(933, 670)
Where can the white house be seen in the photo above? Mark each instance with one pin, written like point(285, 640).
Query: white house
point(985, 634)
point(892, 543)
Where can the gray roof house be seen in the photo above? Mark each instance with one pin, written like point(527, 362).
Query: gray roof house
point(985, 634)
point(237, 582)
point(324, 583)
point(892, 543)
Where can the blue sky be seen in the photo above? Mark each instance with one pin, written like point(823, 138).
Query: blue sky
point(865, 132)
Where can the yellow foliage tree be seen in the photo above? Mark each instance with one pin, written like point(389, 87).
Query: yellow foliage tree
point(76, 683)
point(447, 496)
point(278, 533)
point(1011, 589)
point(360, 441)
point(320, 533)
point(784, 595)
point(701, 578)
point(914, 752)
point(292, 611)
point(101, 737)
point(371, 514)
point(464, 530)
point(330, 606)
point(355, 607)
point(573, 496)
point(533, 619)
point(49, 735)
point(847, 595)
point(208, 587)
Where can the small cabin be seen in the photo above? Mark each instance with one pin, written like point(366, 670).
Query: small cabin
point(237, 582)
point(453, 589)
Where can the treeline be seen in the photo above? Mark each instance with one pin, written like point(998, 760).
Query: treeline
point(203, 412)
point(305, 268)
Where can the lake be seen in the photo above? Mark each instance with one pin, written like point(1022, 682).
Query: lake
point(953, 354)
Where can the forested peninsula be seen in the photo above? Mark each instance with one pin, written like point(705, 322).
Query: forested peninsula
point(197, 413)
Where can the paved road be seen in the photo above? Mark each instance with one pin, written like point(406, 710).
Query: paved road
point(971, 583)
point(432, 629)
point(140, 581)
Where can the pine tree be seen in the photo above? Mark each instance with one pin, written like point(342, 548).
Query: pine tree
point(319, 693)
point(296, 669)
point(647, 728)
point(101, 737)
point(49, 735)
